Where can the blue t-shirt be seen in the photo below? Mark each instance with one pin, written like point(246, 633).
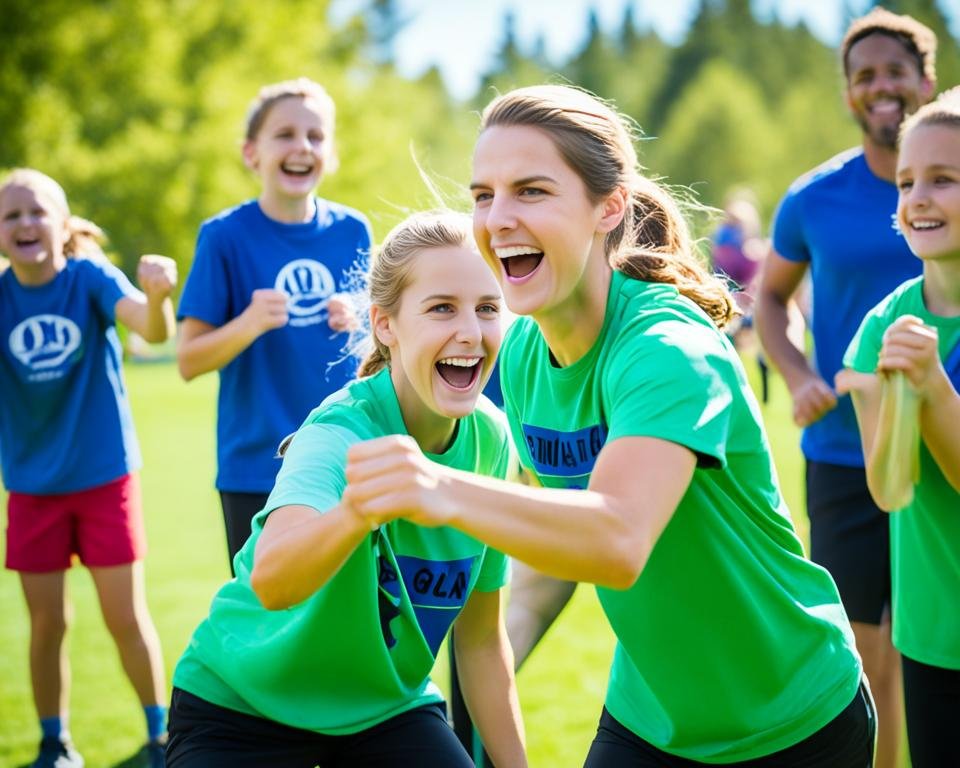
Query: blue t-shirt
point(840, 218)
point(65, 421)
point(270, 387)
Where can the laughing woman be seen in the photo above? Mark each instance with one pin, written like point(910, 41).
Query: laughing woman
point(320, 651)
point(629, 404)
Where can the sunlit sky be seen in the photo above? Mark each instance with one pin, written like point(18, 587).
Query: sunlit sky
point(462, 37)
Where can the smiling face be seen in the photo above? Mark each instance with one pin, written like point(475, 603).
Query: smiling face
point(443, 340)
point(32, 234)
point(289, 153)
point(884, 85)
point(928, 177)
point(533, 220)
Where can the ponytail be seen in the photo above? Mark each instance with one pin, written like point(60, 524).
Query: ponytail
point(660, 250)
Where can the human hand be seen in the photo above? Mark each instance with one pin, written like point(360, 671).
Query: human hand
point(341, 314)
point(389, 478)
point(912, 347)
point(267, 310)
point(157, 275)
point(812, 398)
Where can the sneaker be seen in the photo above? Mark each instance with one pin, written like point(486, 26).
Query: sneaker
point(153, 754)
point(56, 753)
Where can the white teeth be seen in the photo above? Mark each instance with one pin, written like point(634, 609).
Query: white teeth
point(295, 168)
point(460, 362)
point(925, 224)
point(515, 250)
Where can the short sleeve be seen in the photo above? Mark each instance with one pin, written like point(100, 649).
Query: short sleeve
point(206, 291)
point(670, 381)
point(788, 235)
point(110, 286)
point(494, 571)
point(313, 468)
point(863, 351)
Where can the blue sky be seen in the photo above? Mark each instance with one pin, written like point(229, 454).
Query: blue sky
point(463, 36)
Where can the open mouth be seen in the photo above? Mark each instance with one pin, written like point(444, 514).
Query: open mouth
point(460, 372)
point(925, 226)
point(297, 169)
point(519, 262)
point(24, 243)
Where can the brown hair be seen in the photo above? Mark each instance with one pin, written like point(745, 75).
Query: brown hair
point(654, 242)
point(301, 88)
point(918, 39)
point(84, 238)
point(945, 110)
point(393, 263)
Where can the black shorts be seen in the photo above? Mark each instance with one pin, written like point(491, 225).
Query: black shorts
point(238, 510)
point(203, 735)
point(850, 537)
point(845, 742)
point(932, 698)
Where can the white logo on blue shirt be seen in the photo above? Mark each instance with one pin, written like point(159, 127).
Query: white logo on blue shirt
point(308, 284)
point(43, 342)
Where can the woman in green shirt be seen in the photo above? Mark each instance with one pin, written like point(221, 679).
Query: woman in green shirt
point(630, 407)
point(319, 652)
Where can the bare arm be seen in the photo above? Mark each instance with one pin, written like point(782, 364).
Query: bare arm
point(202, 347)
point(299, 551)
point(779, 280)
point(152, 319)
point(602, 535)
point(485, 667)
point(866, 392)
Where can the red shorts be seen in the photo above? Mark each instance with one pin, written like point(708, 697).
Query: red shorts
point(102, 525)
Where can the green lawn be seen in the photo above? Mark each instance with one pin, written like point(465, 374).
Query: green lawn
point(561, 687)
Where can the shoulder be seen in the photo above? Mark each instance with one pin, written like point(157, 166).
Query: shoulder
point(828, 172)
point(229, 218)
point(353, 408)
point(906, 298)
point(340, 215)
point(489, 419)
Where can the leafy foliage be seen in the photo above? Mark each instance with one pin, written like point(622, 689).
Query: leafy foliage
point(138, 108)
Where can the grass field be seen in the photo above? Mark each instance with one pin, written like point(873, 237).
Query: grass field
point(561, 687)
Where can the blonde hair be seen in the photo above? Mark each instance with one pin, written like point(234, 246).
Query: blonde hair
point(945, 110)
point(918, 39)
point(84, 239)
point(303, 88)
point(393, 263)
point(653, 242)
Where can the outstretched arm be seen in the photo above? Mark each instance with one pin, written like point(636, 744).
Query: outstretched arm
point(485, 668)
point(153, 318)
point(602, 535)
point(203, 347)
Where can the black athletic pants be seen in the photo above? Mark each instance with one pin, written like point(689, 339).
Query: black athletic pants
point(932, 699)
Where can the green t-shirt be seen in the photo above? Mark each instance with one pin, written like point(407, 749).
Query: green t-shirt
point(925, 536)
point(359, 650)
point(731, 644)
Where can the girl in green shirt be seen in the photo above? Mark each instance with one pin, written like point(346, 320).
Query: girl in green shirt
point(630, 407)
point(319, 652)
point(907, 352)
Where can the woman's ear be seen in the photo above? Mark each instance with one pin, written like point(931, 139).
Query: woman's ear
point(381, 326)
point(612, 210)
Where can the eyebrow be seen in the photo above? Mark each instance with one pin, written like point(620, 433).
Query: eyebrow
point(519, 182)
point(451, 297)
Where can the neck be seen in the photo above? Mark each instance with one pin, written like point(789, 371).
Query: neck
point(35, 275)
point(571, 328)
point(432, 431)
point(941, 287)
point(294, 210)
point(881, 160)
